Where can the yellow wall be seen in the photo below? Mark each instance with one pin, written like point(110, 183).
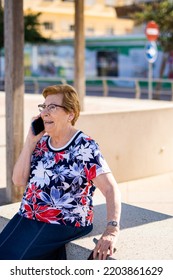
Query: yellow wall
point(99, 18)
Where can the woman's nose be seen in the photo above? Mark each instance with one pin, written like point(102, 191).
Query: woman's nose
point(44, 112)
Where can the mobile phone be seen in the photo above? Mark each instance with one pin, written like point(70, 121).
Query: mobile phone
point(37, 126)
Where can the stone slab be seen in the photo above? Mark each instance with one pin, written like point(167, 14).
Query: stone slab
point(145, 234)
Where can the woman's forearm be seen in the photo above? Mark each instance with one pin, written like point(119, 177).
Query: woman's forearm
point(22, 167)
point(109, 188)
point(113, 203)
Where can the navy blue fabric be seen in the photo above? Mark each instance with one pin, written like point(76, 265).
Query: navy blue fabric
point(25, 239)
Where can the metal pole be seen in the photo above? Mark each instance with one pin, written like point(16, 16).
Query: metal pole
point(150, 75)
point(105, 88)
point(138, 91)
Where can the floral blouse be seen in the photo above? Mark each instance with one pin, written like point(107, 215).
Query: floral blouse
point(60, 188)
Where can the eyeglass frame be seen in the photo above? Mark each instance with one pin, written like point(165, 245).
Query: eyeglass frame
point(44, 106)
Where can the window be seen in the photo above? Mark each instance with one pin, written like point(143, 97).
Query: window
point(71, 27)
point(111, 3)
point(110, 31)
point(90, 2)
point(48, 25)
point(107, 63)
point(90, 30)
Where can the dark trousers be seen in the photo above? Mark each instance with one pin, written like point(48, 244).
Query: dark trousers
point(25, 239)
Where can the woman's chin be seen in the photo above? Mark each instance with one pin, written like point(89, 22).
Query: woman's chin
point(48, 130)
point(49, 127)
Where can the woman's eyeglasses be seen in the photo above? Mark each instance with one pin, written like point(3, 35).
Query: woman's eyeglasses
point(51, 107)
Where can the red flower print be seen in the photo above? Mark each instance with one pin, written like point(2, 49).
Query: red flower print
point(90, 216)
point(33, 193)
point(77, 224)
point(84, 194)
point(29, 212)
point(91, 173)
point(58, 157)
point(42, 213)
point(49, 215)
point(86, 189)
point(40, 149)
point(83, 200)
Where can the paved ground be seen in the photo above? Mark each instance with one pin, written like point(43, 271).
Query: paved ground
point(147, 213)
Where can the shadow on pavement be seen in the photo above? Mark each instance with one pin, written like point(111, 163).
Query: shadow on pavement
point(132, 216)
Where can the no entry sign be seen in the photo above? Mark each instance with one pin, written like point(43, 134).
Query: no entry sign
point(152, 31)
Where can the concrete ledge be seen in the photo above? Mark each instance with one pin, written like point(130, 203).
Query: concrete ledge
point(154, 193)
point(145, 234)
point(123, 125)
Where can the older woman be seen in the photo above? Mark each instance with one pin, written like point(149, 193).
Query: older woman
point(60, 167)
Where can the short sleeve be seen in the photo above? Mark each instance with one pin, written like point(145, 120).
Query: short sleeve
point(101, 163)
point(95, 163)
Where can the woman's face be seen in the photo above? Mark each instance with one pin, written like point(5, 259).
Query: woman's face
point(57, 119)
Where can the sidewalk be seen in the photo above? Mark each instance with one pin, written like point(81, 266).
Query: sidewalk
point(147, 209)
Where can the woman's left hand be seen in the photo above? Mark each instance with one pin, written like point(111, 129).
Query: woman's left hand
point(105, 245)
point(109, 188)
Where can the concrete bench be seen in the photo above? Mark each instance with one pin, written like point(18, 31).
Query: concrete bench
point(78, 249)
point(145, 234)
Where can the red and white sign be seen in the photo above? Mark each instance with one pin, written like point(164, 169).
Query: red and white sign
point(152, 31)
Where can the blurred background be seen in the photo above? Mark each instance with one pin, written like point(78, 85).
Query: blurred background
point(115, 46)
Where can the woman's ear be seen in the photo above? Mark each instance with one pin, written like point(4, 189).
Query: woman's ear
point(71, 116)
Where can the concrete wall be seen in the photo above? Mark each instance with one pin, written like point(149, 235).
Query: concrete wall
point(135, 136)
point(136, 144)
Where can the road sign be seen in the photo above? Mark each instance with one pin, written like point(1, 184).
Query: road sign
point(151, 51)
point(152, 31)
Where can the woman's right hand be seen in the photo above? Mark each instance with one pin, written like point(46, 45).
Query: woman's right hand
point(32, 139)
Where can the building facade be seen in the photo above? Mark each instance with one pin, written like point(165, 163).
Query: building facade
point(57, 18)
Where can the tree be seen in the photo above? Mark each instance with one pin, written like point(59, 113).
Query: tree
point(31, 29)
point(162, 13)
